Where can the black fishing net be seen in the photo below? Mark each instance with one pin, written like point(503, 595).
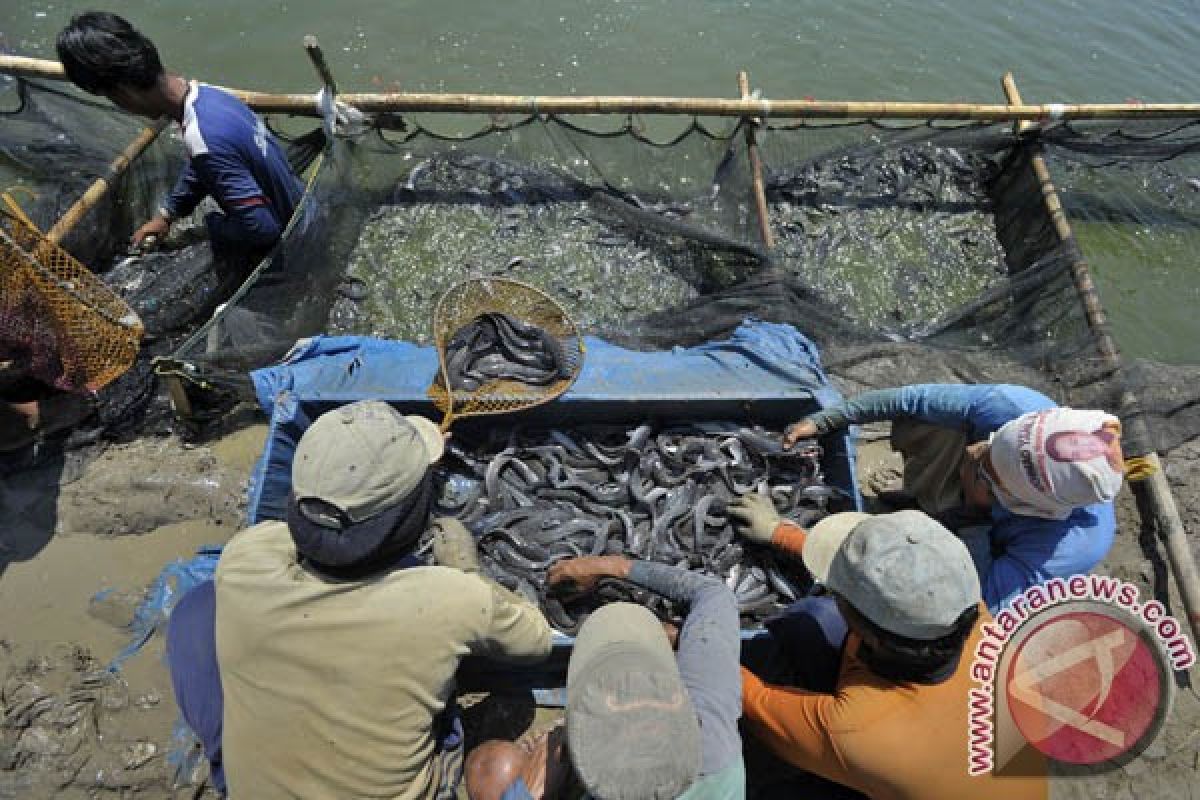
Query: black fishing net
point(908, 252)
point(54, 143)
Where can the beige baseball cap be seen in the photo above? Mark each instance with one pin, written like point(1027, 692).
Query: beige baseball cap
point(825, 538)
point(362, 459)
point(903, 571)
point(632, 730)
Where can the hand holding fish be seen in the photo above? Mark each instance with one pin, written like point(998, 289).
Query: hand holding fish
point(804, 429)
point(579, 575)
point(754, 516)
point(156, 227)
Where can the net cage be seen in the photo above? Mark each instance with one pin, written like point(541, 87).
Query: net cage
point(910, 252)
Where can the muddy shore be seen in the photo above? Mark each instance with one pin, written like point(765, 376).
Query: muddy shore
point(68, 533)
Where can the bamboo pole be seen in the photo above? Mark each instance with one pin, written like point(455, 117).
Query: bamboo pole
point(24, 66)
point(102, 184)
point(724, 107)
point(302, 104)
point(1154, 490)
point(760, 193)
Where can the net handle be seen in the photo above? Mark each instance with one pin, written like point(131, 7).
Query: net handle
point(448, 415)
point(100, 187)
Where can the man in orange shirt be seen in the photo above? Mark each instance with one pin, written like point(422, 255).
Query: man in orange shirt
point(893, 725)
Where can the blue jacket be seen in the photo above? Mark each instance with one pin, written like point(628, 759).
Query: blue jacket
point(233, 157)
point(1025, 550)
point(709, 648)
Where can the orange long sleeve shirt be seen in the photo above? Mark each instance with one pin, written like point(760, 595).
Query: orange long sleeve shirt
point(789, 537)
point(888, 740)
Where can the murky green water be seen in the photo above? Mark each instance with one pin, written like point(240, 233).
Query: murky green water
point(408, 255)
point(1060, 50)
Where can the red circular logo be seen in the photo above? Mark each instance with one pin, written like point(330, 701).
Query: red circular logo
point(1085, 687)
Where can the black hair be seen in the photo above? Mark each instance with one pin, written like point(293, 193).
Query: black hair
point(101, 51)
point(900, 658)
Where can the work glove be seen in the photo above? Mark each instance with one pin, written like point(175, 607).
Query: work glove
point(754, 517)
point(453, 545)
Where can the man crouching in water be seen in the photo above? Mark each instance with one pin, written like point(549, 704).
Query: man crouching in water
point(322, 662)
point(232, 157)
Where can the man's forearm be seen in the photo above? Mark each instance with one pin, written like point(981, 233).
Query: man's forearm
point(789, 538)
point(185, 196)
point(948, 405)
point(709, 646)
point(871, 406)
point(680, 585)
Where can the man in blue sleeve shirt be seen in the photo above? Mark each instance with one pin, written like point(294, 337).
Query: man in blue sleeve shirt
point(641, 722)
point(1045, 475)
point(231, 154)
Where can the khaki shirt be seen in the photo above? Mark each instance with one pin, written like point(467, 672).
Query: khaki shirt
point(331, 688)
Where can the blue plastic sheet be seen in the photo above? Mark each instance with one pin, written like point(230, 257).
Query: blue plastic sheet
point(760, 359)
point(173, 582)
point(767, 370)
point(176, 579)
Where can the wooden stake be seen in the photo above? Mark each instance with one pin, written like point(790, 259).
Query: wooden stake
point(1014, 99)
point(313, 48)
point(302, 104)
point(178, 394)
point(760, 193)
point(1154, 490)
point(101, 186)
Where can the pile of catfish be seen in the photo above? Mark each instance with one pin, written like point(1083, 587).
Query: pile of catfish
point(535, 497)
point(496, 346)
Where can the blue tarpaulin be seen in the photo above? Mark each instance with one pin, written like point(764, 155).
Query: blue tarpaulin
point(176, 579)
point(765, 372)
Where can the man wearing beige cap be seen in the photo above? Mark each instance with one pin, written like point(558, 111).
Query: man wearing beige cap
point(893, 723)
point(1038, 479)
point(642, 722)
point(336, 649)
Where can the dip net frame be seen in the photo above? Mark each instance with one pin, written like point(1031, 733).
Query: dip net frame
point(57, 320)
point(465, 302)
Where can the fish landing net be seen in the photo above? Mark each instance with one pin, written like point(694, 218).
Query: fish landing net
point(465, 303)
point(58, 321)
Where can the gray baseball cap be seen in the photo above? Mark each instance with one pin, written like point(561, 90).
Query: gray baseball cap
point(631, 727)
point(359, 461)
point(904, 571)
